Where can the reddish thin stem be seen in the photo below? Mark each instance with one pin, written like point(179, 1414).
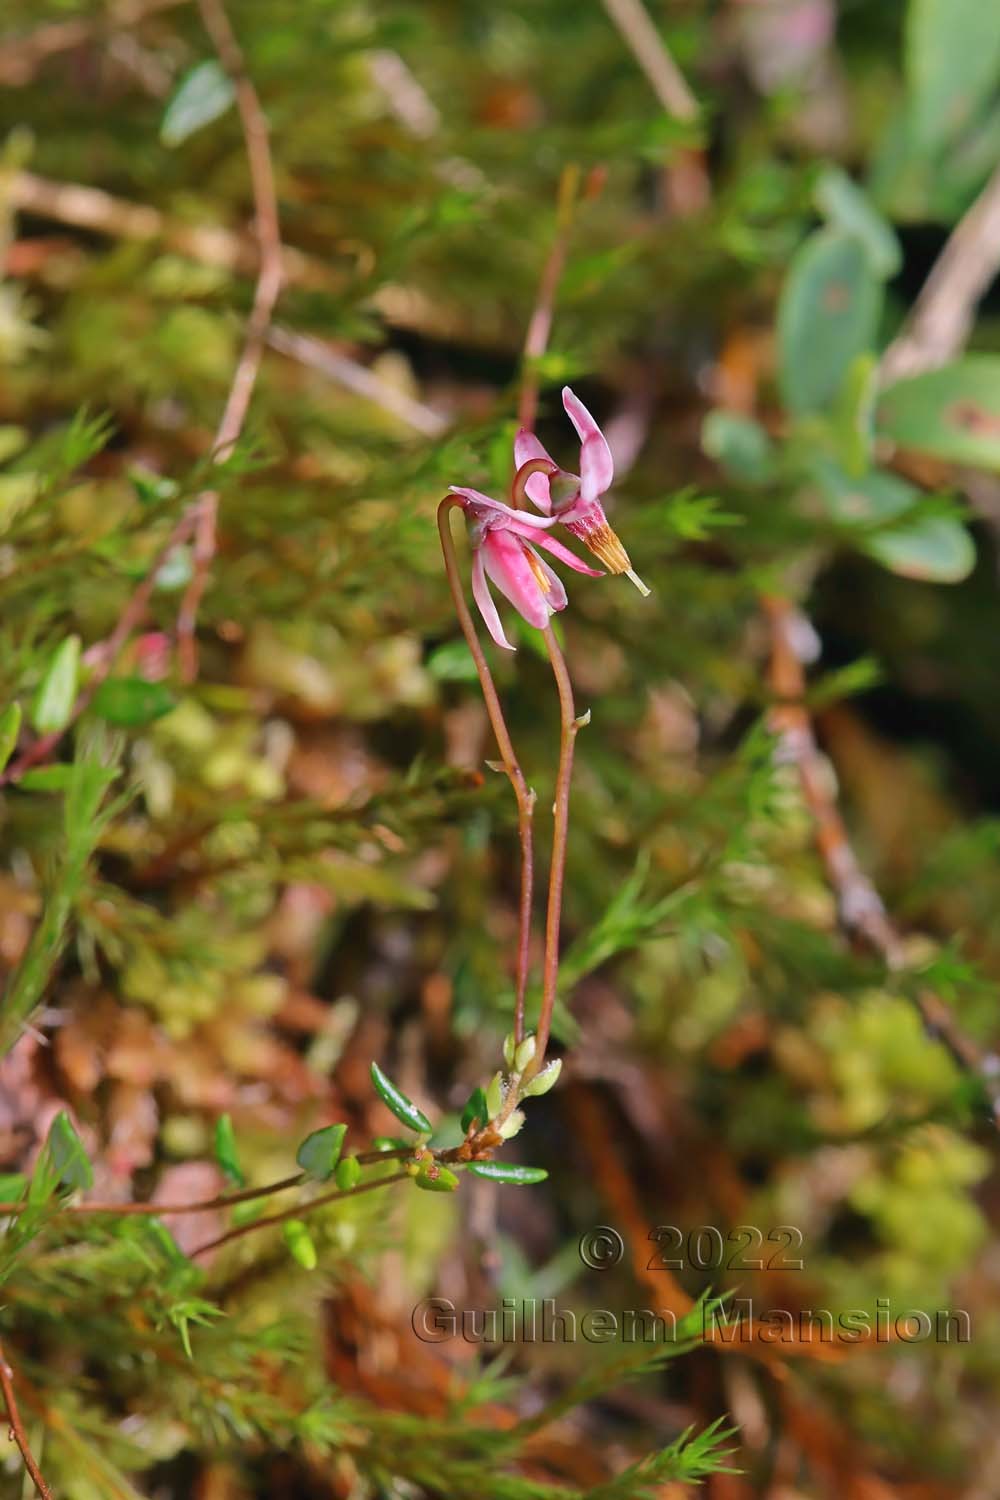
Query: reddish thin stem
point(569, 727)
point(270, 276)
point(17, 1431)
point(206, 1205)
point(298, 1212)
point(540, 325)
point(525, 797)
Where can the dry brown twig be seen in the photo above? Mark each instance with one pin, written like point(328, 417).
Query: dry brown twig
point(941, 318)
point(651, 53)
point(860, 909)
point(21, 57)
point(17, 1432)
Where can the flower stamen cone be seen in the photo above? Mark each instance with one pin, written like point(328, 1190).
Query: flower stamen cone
point(574, 499)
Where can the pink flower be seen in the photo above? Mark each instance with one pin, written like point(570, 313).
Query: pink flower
point(504, 551)
point(574, 499)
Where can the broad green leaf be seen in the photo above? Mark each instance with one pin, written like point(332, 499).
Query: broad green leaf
point(46, 778)
point(509, 1172)
point(451, 662)
point(319, 1153)
point(66, 1151)
point(53, 705)
point(404, 1109)
point(10, 728)
point(300, 1243)
point(936, 549)
point(952, 412)
point(846, 206)
point(12, 1186)
point(828, 315)
point(203, 94)
point(347, 1174)
point(476, 1108)
point(740, 445)
point(130, 702)
point(225, 1150)
point(952, 65)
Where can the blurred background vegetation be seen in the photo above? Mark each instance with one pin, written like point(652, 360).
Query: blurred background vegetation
point(225, 896)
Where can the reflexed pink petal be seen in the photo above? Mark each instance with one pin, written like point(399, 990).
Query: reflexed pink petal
point(483, 507)
point(476, 497)
point(506, 560)
point(597, 468)
point(556, 597)
point(484, 600)
point(527, 447)
point(566, 556)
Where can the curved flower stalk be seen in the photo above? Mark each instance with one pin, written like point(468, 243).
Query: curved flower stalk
point(574, 499)
point(505, 546)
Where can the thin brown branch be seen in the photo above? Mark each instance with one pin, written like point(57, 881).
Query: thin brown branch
point(653, 56)
point(17, 1432)
point(298, 1212)
point(22, 56)
point(98, 212)
point(358, 379)
point(270, 275)
point(860, 909)
point(205, 1205)
point(570, 726)
point(540, 324)
point(940, 321)
point(524, 795)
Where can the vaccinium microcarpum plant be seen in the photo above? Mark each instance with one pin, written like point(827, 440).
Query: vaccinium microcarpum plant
point(504, 541)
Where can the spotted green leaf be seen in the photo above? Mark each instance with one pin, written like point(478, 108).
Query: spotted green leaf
point(828, 315)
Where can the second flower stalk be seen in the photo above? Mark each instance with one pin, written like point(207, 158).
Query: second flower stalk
point(506, 542)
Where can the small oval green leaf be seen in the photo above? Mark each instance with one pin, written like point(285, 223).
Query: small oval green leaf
point(509, 1172)
point(300, 1243)
point(10, 728)
point(435, 1179)
point(347, 1174)
point(319, 1153)
point(130, 702)
point(203, 94)
point(475, 1109)
point(225, 1150)
point(67, 1154)
point(53, 705)
point(404, 1109)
